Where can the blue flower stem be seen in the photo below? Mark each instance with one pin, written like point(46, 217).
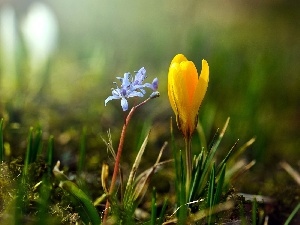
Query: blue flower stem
point(118, 157)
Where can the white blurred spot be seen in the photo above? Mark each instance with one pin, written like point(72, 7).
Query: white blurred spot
point(40, 30)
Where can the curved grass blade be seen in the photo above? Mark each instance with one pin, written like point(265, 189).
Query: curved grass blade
point(137, 162)
point(87, 211)
point(215, 209)
point(289, 219)
point(227, 157)
point(162, 212)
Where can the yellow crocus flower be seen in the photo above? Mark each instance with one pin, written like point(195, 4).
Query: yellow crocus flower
point(186, 91)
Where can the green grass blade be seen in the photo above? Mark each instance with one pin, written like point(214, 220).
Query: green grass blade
point(44, 193)
point(254, 211)
point(211, 188)
point(201, 136)
point(294, 212)
point(210, 193)
point(36, 145)
point(220, 185)
point(28, 153)
point(137, 161)
point(50, 151)
point(162, 212)
point(226, 157)
point(196, 176)
point(211, 144)
point(82, 151)
point(1, 141)
point(87, 212)
point(153, 208)
point(240, 151)
point(141, 183)
point(128, 196)
point(20, 202)
point(210, 156)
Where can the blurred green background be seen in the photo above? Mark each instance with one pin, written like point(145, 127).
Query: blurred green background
point(252, 47)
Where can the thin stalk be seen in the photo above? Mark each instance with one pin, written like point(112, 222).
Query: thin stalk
point(118, 157)
point(188, 163)
point(289, 219)
point(254, 210)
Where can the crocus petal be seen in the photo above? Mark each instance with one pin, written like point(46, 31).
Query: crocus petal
point(201, 87)
point(186, 91)
point(189, 82)
point(179, 58)
point(173, 71)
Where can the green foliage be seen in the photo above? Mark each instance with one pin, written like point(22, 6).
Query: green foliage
point(294, 212)
point(209, 180)
point(83, 204)
point(34, 146)
point(136, 188)
point(180, 181)
point(203, 166)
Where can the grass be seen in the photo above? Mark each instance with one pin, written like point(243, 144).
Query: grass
point(37, 191)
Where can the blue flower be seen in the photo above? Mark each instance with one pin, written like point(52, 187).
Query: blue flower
point(131, 87)
point(154, 85)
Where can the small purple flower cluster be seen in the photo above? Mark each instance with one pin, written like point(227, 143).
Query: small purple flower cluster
point(132, 87)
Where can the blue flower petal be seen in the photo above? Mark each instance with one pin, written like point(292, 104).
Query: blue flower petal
point(155, 84)
point(124, 104)
point(110, 98)
point(139, 76)
point(135, 94)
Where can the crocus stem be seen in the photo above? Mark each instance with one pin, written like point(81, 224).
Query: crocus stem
point(118, 157)
point(188, 162)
